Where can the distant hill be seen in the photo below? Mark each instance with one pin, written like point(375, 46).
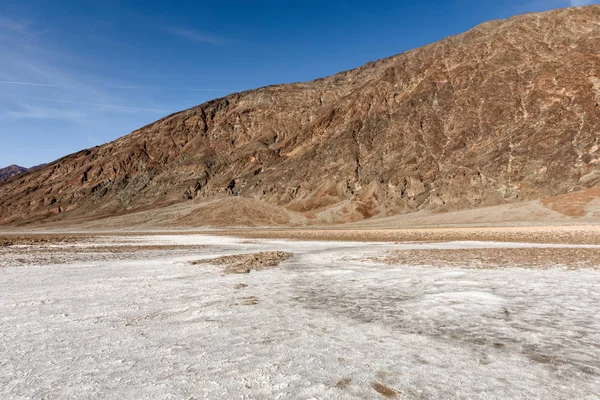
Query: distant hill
point(506, 112)
point(10, 171)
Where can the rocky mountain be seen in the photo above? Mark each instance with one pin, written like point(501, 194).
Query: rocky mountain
point(507, 111)
point(10, 171)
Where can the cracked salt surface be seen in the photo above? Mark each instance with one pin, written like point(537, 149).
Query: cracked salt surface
point(323, 325)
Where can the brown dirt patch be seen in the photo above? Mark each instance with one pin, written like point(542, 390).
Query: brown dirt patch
point(385, 391)
point(109, 249)
point(343, 383)
point(572, 204)
point(248, 301)
point(16, 251)
point(244, 263)
point(238, 211)
point(496, 258)
point(537, 234)
point(29, 240)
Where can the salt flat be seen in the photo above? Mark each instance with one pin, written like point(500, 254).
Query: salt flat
point(329, 323)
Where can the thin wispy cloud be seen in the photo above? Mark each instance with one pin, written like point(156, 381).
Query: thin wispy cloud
point(209, 90)
point(36, 84)
point(26, 111)
point(83, 103)
point(13, 25)
point(48, 85)
point(163, 88)
point(117, 87)
point(544, 5)
point(578, 3)
point(197, 36)
point(33, 69)
point(133, 87)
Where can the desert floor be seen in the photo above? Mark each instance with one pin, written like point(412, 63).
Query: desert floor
point(96, 316)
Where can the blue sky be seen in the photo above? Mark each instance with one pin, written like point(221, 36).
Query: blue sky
point(74, 74)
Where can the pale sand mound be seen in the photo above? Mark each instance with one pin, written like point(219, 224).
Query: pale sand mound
point(225, 211)
point(244, 263)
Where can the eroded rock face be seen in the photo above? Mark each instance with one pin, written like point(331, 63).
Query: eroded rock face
point(505, 112)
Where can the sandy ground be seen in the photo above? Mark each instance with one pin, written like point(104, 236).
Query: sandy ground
point(529, 234)
point(572, 258)
point(572, 209)
point(337, 320)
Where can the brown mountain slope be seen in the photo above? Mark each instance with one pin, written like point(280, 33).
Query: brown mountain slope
point(10, 171)
point(507, 111)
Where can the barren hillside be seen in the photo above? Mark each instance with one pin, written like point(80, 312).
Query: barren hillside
point(508, 111)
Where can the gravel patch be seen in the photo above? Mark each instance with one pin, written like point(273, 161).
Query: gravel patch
point(244, 263)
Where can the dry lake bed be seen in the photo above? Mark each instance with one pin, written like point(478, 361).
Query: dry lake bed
point(206, 317)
